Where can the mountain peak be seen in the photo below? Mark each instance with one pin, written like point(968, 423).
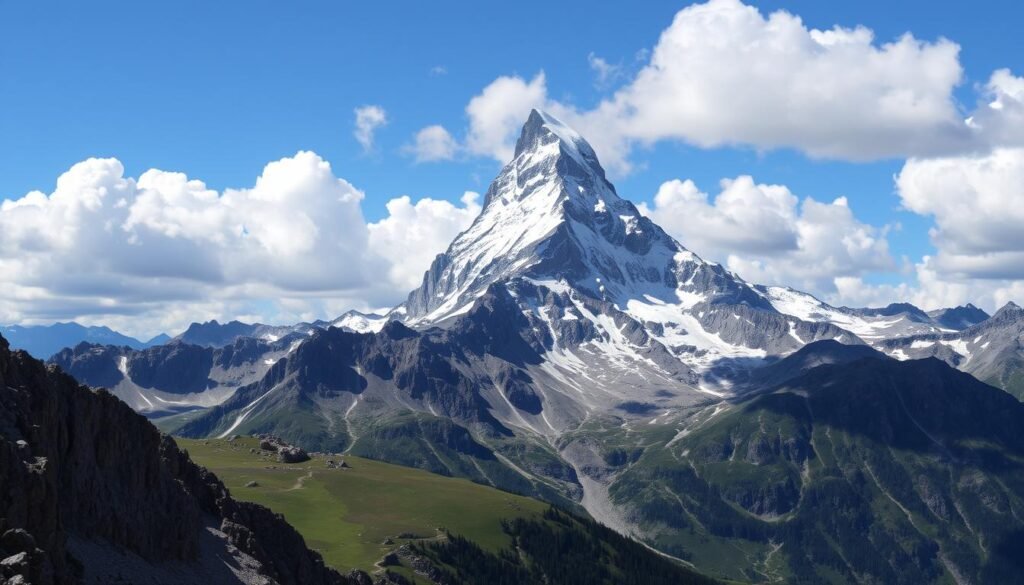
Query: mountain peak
point(551, 215)
point(1010, 308)
point(544, 136)
point(540, 125)
point(1009, 313)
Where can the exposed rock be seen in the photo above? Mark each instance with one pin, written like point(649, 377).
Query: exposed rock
point(332, 464)
point(93, 477)
point(390, 560)
point(359, 578)
point(292, 455)
point(420, 564)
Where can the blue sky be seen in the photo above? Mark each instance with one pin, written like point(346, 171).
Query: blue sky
point(217, 90)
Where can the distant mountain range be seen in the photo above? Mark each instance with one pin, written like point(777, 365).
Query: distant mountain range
point(566, 347)
point(43, 341)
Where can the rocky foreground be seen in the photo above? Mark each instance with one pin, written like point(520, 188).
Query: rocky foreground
point(91, 492)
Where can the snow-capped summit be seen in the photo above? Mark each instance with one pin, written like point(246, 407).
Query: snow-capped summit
point(604, 287)
point(551, 215)
point(360, 322)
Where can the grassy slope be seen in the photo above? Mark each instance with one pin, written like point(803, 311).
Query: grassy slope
point(347, 514)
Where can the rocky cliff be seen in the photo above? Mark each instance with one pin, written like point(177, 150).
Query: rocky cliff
point(91, 492)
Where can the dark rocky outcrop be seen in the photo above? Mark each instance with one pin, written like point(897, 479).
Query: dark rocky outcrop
point(285, 453)
point(214, 334)
point(292, 455)
point(245, 350)
point(959, 318)
point(80, 471)
point(92, 364)
point(176, 367)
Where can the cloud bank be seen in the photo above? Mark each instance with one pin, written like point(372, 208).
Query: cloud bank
point(769, 236)
point(157, 252)
point(724, 74)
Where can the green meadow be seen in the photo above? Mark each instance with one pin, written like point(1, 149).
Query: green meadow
point(347, 514)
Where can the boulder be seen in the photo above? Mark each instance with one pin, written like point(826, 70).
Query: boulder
point(292, 455)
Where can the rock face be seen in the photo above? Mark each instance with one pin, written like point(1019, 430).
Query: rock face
point(179, 367)
point(176, 376)
point(83, 477)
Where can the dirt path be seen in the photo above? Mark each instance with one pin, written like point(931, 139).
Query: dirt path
point(300, 482)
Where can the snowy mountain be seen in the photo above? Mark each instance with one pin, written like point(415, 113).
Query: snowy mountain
point(611, 288)
point(360, 322)
point(876, 324)
point(552, 217)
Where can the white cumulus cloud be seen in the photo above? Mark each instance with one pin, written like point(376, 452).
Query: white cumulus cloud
point(768, 235)
point(975, 201)
point(154, 253)
point(725, 74)
point(433, 143)
point(414, 233)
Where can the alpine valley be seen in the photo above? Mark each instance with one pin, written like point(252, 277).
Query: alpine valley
point(566, 348)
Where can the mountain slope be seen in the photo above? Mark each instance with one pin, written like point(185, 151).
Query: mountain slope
point(91, 492)
point(438, 528)
point(416, 398)
point(176, 376)
point(873, 470)
point(992, 351)
point(44, 341)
